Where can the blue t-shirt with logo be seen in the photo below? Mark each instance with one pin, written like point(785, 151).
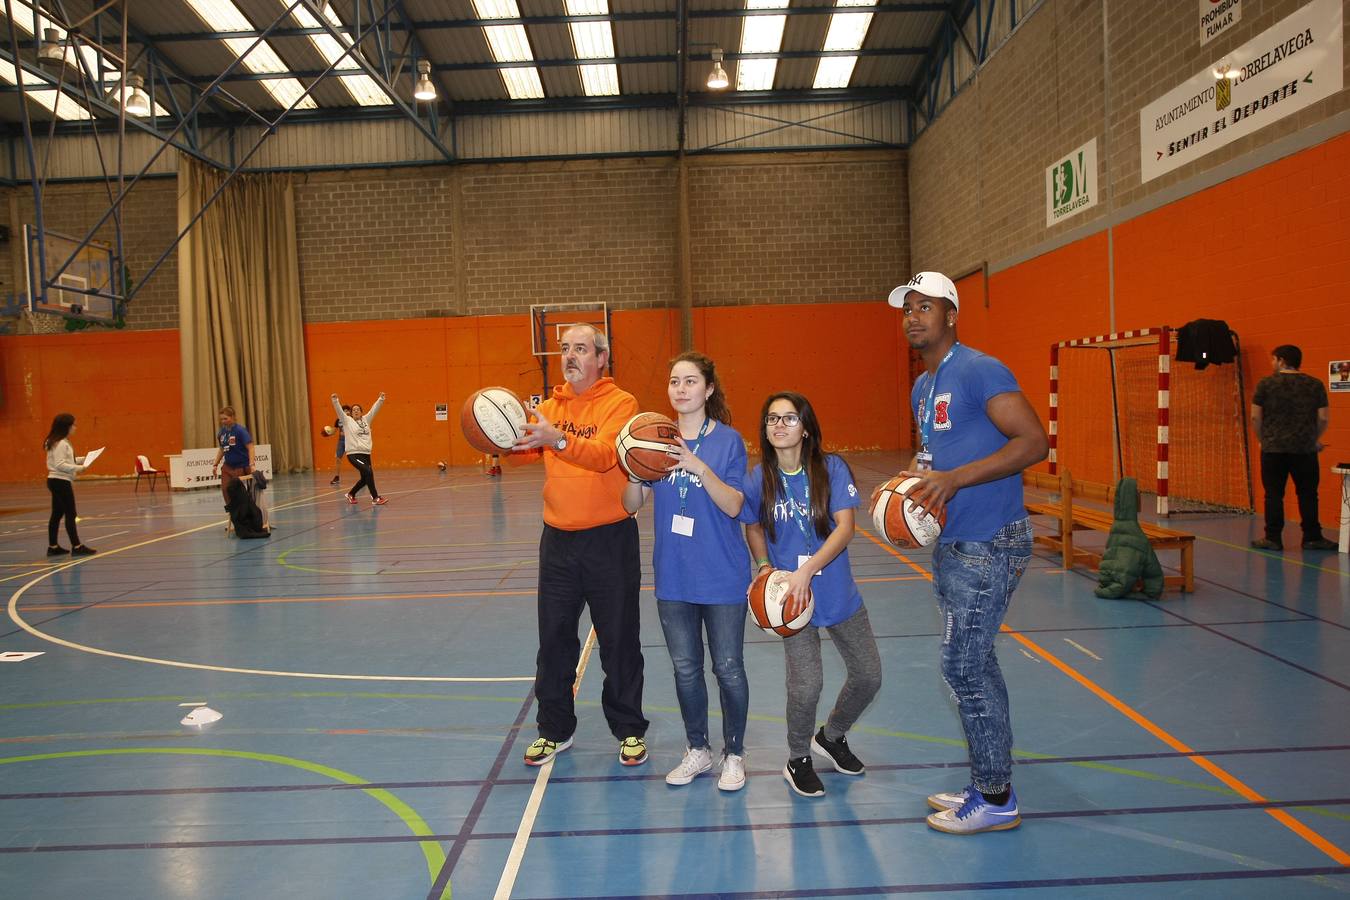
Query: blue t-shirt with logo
point(835, 593)
point(234, 443)
point(962, 432)
point(713, 564)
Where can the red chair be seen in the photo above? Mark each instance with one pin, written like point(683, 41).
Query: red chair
point(143, 470)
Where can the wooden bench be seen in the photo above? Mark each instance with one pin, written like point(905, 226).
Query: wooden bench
point(1071, 517)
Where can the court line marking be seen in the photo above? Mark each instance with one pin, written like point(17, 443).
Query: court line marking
point(98, 651)
point(431, 850)
point(1080, 648)
point(527, 818)
point(1303, 831)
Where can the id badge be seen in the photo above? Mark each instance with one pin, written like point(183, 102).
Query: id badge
point(801, 561)
point(682, 525)
point(923, 461)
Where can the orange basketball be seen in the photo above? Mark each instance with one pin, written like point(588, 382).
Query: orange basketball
point(768, 594)
point(493, 419)
point(643, 443)
point(898, 520)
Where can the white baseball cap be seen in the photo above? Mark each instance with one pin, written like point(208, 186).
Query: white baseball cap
point(930, 284)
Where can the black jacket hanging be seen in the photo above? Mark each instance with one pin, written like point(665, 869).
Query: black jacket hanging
point(1205, 341)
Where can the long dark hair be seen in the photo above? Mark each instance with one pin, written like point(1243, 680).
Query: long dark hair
point(60, 430)
point(716, 405)
point(813, 460)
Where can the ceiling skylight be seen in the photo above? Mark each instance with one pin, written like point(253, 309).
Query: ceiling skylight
point(846, 32)
point(760, 34)
point(223, 15)
point(594, 40)
point(364, 89)
point(509, 43)
point(56, 102)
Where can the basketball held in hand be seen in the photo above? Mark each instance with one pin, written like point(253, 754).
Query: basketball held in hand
point(493, 419)
point(328, 431)
point(899, 520)
point(644, 446)
point(768, 595)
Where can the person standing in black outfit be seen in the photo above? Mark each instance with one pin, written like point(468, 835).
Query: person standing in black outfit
point(1289, 413)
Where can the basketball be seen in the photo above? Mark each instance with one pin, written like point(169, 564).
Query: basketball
point(328, 431)
point(493, 419)
point(898, 520)
point(642, 446)
point(768, 593)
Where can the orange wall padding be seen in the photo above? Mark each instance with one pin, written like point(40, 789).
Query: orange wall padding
point(123, 387)
point(1268, 251)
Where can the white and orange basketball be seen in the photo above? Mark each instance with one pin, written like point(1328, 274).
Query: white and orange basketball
point(898, 520)
point(643, 445)
point(328, 431)
point(493, 419)
point(768, 594)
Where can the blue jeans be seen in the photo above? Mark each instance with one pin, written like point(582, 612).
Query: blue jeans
point(974, 580)
point(683, 624)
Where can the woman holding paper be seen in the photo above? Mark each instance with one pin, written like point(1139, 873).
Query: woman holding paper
point(62, 467)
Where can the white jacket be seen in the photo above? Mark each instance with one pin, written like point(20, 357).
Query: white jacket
point(62, 462)
point(356, 432)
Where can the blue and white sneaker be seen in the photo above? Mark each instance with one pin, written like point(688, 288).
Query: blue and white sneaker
point(945, 800)
point(976, 815)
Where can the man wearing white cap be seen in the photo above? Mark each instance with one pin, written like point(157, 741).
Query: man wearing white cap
point(977, 433)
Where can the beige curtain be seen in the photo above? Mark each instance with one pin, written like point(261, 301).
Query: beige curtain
point(239, 320)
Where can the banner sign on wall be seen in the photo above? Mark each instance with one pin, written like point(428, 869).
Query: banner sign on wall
point(1217, 16)
point(1286, 68)
point(195, 467)
point(1071, 184)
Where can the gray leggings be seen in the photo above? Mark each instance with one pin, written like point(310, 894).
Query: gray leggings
point(805, 680)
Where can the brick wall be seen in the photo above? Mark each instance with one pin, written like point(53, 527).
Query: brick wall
point(977, 174)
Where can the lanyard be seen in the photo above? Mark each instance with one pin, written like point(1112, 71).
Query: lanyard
point(926, 422)
point(792, 510)
point(682, 478)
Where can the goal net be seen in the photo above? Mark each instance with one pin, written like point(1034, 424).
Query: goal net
point(1119, 407)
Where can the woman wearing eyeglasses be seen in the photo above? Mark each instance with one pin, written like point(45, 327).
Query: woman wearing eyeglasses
point(702, 567)
point(799, 510)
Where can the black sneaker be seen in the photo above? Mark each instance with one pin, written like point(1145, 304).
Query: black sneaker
point(82, 550)
point(57, 551)
point(801, 777)
point(1319, 544)
point(1267, 544)
point(337, 479)
point(838, 753)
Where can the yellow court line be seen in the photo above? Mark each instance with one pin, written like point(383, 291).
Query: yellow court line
point(1208, 765)
point(1279, 557)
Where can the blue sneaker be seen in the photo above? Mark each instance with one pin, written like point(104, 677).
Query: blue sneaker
point(976, 815)
point(946, 800)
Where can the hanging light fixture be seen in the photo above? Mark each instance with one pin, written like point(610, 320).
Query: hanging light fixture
point(717, 78)
point(51, 49)
point(424, 90)
point(134, 101)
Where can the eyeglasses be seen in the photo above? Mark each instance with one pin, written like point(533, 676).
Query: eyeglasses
point(791, 420)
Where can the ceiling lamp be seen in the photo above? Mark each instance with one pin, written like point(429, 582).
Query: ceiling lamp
point(135, 102)
point(424, 90)
point(717, 78)
point(51, 49)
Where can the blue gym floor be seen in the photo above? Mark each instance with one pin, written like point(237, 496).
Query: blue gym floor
point(373, 668)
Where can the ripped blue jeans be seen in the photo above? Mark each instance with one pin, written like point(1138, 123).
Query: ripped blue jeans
point(684, 624)
point(973, 581)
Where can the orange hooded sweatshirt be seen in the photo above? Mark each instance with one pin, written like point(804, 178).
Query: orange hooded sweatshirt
point(583, 484)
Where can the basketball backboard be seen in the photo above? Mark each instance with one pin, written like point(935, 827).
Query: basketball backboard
point(69, 280)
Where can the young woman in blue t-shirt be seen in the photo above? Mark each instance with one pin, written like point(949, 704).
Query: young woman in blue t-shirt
point(799, 509)
point(702, 567)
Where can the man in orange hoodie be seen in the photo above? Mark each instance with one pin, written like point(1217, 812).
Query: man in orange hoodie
point(588, 554)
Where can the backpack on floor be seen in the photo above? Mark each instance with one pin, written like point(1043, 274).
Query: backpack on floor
point(245, 515)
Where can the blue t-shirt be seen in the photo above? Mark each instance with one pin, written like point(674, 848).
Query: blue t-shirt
point(834, 590)
point(234, 442)
point(713, 564)
point(961, 432)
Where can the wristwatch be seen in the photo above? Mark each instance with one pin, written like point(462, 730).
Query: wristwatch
point(561, 444)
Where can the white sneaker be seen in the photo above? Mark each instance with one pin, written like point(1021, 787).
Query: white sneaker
point(694, 764)
point(733, 773)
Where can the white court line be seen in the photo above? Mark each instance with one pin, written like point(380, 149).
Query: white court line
point(513, 859)
point(1080, 647)
point(84, 648)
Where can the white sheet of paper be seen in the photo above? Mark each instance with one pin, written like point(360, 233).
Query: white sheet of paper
point(682, 525)
point(93, 455)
